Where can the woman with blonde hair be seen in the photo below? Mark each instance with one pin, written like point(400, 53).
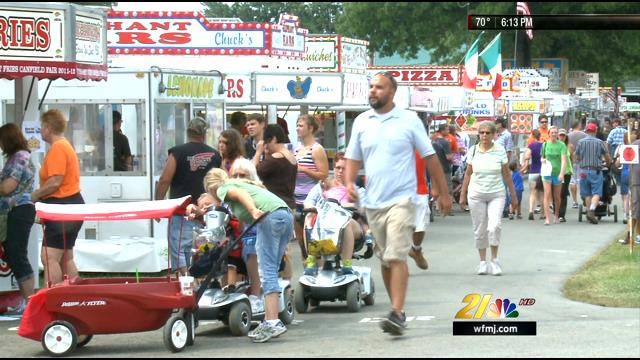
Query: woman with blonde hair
point(313, 166)
point(554, 155)
point(59, 184)
point(249, 202)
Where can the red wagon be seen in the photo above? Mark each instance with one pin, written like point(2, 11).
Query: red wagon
point(67, 315)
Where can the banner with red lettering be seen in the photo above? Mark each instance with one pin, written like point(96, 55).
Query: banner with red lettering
point(41, 42)
point(14, 69)
point(422, 75)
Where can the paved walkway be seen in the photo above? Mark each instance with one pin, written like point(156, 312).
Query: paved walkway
point(536, 259)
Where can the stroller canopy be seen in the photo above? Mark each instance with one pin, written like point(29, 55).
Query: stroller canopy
point(113, 211)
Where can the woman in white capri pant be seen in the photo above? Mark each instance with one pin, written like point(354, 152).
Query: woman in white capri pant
point(484, 180)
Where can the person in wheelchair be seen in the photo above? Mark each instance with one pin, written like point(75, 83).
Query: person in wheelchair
point(354, 233)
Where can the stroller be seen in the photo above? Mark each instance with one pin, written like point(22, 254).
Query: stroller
point(231, 305)
point(609, 189)
point(324, 239)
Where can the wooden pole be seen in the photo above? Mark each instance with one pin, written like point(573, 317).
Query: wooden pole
point(631, 221)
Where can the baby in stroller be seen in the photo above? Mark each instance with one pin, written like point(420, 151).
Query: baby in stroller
point(348, 235)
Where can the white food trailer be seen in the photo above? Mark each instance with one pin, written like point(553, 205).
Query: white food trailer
point(156, 106)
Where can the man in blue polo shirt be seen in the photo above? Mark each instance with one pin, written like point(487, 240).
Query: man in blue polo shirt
point(385, 139)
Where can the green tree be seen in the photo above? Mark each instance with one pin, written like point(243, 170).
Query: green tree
point(442, 28)
point(319, 18)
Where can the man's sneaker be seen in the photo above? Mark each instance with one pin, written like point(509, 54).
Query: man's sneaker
point(419, 258)
point(510, 216)
point(496, 269)
point(264, 332)
point(575, 205)
point(310, 266)
point(562, 219)
point(592, 217)
point(530, 216)
point(483, 268)
point(16, 311)
point(257, 304)
point(394, 324)
point(537, 209)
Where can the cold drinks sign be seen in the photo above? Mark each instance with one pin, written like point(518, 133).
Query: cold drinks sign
point(190, 33)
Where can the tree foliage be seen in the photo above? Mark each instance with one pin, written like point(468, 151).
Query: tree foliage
point(405, 28)
point(318, 17)
point(442, 28)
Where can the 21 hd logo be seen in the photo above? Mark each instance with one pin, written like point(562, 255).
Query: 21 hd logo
point(501, 315)
point(477, 306)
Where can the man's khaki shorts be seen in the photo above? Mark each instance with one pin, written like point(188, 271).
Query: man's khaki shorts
point(392, 229)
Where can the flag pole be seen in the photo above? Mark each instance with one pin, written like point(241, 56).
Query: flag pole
point(515, 46)
point(465, 54)
point(515, 51)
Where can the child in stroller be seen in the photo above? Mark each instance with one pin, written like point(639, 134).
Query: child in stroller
point(241, 263)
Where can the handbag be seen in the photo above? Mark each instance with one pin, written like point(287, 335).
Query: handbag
point(546, 168)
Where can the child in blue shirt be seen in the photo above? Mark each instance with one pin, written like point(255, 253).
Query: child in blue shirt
point(517, 184)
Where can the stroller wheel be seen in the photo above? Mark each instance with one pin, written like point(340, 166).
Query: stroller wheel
point(240, 319)
point(371, 298)
point(580, 213)
point(288, 313)
point(300, 299)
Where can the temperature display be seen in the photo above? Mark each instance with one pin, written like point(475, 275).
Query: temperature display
point(554, 22)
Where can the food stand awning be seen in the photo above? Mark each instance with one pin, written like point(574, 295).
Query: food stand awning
point(52, 41)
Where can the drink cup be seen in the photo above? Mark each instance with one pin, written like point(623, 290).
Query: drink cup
point(186, 285)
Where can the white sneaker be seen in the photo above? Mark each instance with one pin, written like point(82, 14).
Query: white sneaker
point(496, 269)
point(257, 304)
point(483, 268)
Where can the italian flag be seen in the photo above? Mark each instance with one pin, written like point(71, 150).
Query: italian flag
point(492, 57)
point(470, 74)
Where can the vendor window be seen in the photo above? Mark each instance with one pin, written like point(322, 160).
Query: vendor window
point(90, 130)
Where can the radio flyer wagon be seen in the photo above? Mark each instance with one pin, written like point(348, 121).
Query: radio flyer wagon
point(68, 314)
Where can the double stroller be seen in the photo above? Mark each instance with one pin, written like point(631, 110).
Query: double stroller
point(324, 239)
point(604, 208)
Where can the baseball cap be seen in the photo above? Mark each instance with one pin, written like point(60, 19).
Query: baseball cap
point(562, 131)
point(197, 126)
point(591, 127)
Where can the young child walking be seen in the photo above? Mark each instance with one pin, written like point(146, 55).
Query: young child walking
point(517, 183)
